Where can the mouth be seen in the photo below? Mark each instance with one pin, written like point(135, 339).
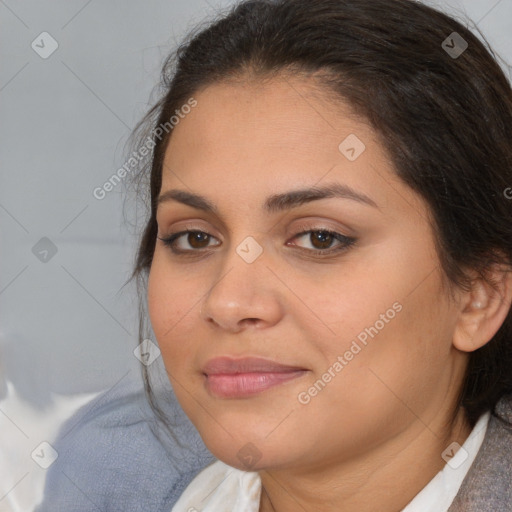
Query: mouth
point(239, 378)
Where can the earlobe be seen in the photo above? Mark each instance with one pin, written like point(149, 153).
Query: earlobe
point(483, 310)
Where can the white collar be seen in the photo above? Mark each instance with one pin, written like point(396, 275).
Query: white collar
point(222, 487)
point(439, 493)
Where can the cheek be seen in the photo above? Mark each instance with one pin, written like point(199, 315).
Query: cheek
point(389, 316)
point(405, 359)
point(173, 307)
point(159, 299)
point(343, 304)
point(166, 304)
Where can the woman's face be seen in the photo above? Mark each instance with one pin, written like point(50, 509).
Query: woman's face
point(358, 321)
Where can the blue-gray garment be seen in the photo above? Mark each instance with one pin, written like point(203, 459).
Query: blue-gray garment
point(110, 459)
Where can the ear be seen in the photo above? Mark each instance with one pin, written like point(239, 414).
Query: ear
point(483, 309)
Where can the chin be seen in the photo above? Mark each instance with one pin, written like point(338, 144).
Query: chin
point(248, 451)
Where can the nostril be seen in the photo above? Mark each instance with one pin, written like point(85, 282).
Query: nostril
point(250, 321)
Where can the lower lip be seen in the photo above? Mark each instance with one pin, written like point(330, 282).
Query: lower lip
point(241, 385)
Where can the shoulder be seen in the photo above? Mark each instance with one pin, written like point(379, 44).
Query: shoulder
point(221, 487)
point(111, 457)
point(488, 484)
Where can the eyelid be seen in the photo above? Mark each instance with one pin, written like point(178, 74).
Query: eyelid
point(187, 228)
point(295, 230)
point(347, 235)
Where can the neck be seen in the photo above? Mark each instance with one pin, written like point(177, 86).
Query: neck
point(403, 465)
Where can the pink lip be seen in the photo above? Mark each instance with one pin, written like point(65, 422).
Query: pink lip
point(239, 378)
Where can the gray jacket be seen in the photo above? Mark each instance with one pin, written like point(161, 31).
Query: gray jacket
point(488, 484)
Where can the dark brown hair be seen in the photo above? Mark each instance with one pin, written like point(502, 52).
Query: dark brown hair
point(445, 120)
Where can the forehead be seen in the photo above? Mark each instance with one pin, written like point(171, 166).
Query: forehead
point(282, 113)
point(251, 138)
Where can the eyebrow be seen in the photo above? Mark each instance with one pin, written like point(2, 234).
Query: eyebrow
point(276, 202)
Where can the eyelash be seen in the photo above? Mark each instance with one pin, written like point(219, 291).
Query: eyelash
point(345, 241)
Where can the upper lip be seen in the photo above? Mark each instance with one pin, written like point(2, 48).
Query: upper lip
point(229, 365)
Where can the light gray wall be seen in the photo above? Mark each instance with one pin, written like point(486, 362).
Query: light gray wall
point(66, 327)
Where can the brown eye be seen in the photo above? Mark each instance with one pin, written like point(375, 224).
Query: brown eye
point(321, 239)
point(188, 241)
point(198, 239)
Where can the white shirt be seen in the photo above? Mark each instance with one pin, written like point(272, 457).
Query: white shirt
point(222, 488)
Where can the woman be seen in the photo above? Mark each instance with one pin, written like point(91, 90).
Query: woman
point(328, 258)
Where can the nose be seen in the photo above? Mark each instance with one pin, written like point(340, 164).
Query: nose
point(243, 295)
